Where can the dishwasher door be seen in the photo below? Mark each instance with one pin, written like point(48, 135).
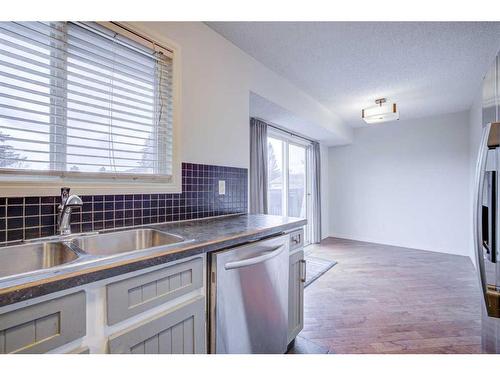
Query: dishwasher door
point(249, 298)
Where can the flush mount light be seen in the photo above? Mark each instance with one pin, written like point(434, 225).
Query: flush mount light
point(382, 112)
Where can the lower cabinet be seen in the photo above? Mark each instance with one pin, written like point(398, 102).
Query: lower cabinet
point(296, 293)
point(43, 326)
point(177, 331)
point(158, 310)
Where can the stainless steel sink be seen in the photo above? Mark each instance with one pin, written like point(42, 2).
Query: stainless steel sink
point(20, 259)
point(125, 241)
point(79, 250)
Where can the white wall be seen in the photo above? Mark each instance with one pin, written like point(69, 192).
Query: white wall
point(325, 193)
point(217, 78)
point(475, 130)
point(404, 183)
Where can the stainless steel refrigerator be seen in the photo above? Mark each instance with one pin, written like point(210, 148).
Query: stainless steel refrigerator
point(487, 211)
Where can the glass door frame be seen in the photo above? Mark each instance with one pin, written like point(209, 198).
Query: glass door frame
point(288, 139)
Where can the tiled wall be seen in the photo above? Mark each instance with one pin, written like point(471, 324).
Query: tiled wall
point(33, 217)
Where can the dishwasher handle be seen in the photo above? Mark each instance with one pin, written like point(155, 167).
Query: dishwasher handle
point(266, 255)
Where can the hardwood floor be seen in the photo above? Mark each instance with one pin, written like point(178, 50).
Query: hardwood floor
point(387, 299)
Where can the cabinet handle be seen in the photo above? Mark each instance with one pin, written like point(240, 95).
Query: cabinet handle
point(303, 270)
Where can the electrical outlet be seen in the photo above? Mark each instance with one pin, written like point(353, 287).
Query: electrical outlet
point(222, 187)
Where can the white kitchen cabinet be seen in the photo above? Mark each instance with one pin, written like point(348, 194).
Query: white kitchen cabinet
point(177, 331)
point(296, 294)
point(43, 326)
point(160, 309)
point(156, 311)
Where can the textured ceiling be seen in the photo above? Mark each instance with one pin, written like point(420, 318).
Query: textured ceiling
point(426, 67)
point(274, 114)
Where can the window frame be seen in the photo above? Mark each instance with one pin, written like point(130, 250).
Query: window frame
point(16, 183)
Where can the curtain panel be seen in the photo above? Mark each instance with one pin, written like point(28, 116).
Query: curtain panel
point(316, 192)
point(258, 166)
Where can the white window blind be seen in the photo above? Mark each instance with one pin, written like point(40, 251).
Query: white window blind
point(79, 100)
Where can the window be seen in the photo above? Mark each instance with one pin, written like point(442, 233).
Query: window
point(82, 101)
point(289, 177)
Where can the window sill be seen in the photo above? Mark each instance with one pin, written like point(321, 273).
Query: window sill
point(41, 187)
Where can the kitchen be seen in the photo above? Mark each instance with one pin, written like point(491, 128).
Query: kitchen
point(178, 187)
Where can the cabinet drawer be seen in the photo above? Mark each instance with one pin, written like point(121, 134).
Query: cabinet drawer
point(178, 331)
point(296, 239)
point(43, 326)
point(137, 294)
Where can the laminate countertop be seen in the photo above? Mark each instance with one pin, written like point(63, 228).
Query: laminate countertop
point(206, 235)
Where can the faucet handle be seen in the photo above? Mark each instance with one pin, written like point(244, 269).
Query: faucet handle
point(64, 194)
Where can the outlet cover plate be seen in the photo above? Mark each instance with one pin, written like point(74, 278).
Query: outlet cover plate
point(222, 187)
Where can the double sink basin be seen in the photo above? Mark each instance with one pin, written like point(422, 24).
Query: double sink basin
point(60, 251)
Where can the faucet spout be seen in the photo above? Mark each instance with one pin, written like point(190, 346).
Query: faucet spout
point(74, 201)
point(65, 209)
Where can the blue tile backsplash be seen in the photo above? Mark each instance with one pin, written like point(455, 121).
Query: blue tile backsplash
point(34, 217)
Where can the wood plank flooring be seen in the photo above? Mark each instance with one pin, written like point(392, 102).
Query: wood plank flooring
point(387, 299)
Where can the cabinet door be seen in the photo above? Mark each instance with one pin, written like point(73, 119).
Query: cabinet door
point(296, 294)
point(178, 331)
point(43, 326)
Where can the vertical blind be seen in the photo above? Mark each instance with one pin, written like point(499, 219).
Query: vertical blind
point(77, 99)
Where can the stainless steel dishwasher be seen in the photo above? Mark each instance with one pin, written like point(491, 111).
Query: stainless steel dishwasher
point(249, 298)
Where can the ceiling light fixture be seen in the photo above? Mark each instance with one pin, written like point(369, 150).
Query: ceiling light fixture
point(382, 112)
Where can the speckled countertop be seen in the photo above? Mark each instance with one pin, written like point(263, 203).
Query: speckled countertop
point(207, 234)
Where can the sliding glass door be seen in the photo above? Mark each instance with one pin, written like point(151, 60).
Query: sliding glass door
point(297, 180)
point(289, 179)
point(276, 176)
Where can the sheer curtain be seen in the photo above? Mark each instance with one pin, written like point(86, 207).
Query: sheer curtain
point(316, 193)
point(258, 166)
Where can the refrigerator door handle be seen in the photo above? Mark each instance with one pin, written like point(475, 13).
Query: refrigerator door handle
point(491, 306)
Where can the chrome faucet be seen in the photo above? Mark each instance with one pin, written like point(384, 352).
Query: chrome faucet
point(64, 211)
